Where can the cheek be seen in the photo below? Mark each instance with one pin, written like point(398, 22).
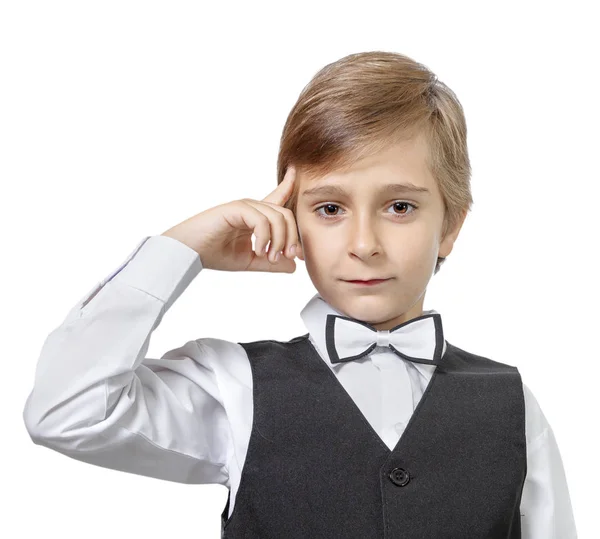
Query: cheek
point(416, 247)
point(309, 233)
point(420, 242)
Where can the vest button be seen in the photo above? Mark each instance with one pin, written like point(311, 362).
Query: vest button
point(399, 476)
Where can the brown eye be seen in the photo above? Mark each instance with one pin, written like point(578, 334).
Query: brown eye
point(329, 207)
point(401, 204)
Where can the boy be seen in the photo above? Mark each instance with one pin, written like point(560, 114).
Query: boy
point(370, 425)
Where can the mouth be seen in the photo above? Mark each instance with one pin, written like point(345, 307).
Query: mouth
point(369, 283)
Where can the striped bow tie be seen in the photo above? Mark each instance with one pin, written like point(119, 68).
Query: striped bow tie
point(419, 339)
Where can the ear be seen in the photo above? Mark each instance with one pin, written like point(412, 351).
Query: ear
point(447, 243)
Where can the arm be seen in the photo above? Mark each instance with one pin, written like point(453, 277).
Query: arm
point(98, 399)
point(545, 503)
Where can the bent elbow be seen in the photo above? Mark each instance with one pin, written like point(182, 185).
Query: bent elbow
point(67, 424)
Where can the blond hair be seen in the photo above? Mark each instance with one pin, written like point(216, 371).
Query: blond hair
point(364, 102)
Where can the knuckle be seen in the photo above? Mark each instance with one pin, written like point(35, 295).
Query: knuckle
point(289, 213)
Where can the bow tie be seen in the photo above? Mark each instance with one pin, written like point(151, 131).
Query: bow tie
point(419, 339)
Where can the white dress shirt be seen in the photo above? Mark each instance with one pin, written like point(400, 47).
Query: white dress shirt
point(187, 416)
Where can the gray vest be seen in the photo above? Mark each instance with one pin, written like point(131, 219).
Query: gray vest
point(316, 469)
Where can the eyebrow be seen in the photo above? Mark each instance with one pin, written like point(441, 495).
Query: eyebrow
point(390, 189)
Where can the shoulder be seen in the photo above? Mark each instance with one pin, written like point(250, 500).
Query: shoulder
point(275, 344)
point(465, 358)
point(226, 358)
point(225, 354)
point(536, 423)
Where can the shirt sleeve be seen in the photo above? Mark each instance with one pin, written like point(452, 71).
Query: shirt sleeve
point(546, 510)
point(98, 399)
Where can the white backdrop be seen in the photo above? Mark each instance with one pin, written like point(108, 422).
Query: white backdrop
point(121, 119)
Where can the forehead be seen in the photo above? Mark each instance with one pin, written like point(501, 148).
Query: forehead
point(399, 169)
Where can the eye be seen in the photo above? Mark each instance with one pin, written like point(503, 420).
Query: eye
point(396, 215)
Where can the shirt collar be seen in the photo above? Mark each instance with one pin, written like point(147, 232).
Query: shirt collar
point(314, 316)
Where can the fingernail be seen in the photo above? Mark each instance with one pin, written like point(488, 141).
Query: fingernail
point(293, 250)
point(277, 256)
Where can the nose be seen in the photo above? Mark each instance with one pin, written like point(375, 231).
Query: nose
point(364, 238)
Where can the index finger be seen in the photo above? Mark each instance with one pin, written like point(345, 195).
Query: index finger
point(283, 191)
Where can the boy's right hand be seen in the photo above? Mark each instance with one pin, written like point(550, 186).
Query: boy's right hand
point(222, 235)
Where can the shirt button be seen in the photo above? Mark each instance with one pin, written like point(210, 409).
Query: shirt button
point(399, 476)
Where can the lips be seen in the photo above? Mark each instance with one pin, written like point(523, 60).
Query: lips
point(372, 281)
point(366, 280)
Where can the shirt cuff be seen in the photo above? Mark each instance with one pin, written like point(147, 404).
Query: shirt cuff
point(160, 266)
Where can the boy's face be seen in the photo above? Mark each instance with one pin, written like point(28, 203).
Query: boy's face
point(366, 234)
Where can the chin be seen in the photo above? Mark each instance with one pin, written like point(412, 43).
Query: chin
point(369, 309)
